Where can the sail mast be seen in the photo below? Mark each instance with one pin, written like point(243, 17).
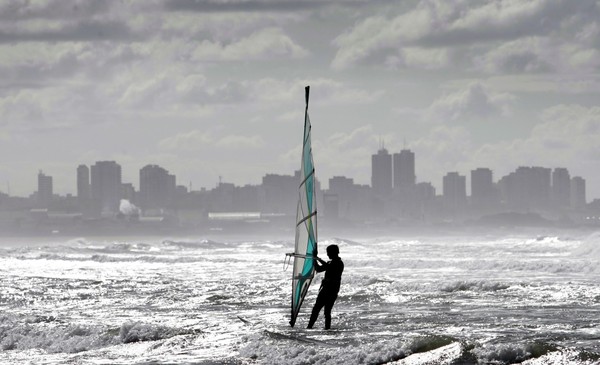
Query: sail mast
point(306, 223)
point(307, 91)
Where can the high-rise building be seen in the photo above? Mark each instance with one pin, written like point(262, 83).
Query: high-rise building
point(578, 199)
point(106, 186)
point(44, 193)
point(280, 192)
point(526, 188)
point(381, 172)
point(83, 183)
point(343, 197)
point(404, 169)
point(128, 192)
point(561, 187)
point(425, 191)
point(482, 187)
point(331, 206)
point(455, 189)
point(157, 187)
point(341, 185)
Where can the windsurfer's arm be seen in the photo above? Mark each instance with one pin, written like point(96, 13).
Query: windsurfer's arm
point(320, 265)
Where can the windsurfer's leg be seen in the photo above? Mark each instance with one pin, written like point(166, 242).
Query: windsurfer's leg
point(327, 311)
point(321, 301)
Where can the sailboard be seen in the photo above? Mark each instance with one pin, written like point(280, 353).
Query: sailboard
point(305, 248)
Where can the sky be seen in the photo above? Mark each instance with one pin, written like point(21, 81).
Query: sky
point(214, 90)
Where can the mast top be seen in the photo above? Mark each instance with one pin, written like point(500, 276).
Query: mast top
point(307, 90)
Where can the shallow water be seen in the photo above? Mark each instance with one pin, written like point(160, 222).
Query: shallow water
point(440, 300)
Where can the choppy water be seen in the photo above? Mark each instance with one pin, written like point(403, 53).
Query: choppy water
point(421, 300)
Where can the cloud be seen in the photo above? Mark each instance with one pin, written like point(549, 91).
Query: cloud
point(41, 109)
point(261, 45)
point(175, 89)
point(424, 58)
point(253, 5)
point(474, 101)
point(445, 148)
point(39, 64)
point(13, 10)
point(455, 34)
point(539, 55)
point(526, 55)
point(197, 140)
point(324, 91)
point(174, 86)
point(343, 153)
point(220, 28)
point(19, 107)
point(84, 30)
point(565, 136)
point(572, 128)
point(240, 142)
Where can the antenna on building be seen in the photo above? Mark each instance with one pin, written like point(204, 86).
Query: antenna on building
point(190, 188)
point(220, 179)
point(8, 187)
point(404, 147)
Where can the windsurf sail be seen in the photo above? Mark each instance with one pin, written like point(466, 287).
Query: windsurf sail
point(305, 250)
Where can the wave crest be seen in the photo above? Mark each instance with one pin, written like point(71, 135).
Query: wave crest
point(49, 334)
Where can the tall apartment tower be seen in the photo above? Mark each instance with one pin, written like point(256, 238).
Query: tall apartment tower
point(561, 187)
point(527, 187)
point(482, 187)
point(404, 169)
point(280, 192)
point(578, 199)
point(157, 187)
point(381, 172)
point(44, 193)
point(106, 186)
point(455, 189)
point(83, 183)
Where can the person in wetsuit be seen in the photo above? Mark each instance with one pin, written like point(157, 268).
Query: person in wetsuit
point(330, 286)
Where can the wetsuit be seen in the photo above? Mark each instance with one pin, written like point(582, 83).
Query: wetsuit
point(330, 286)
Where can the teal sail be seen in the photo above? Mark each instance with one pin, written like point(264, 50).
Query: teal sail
point(306, 224)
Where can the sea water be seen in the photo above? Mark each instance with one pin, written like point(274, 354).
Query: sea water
point(453, 299)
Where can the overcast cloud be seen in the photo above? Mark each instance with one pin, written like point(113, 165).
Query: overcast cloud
point(211, 89)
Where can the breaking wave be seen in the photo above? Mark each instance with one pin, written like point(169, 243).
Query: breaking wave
point(267, 348)
point(589, 247)
point(274, 348)
point(48, 334)
point(479, 286)
point(112, 258)
point(191, 244)
point(550, 265)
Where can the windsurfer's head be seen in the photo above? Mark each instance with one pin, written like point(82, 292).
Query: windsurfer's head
point(333, 251)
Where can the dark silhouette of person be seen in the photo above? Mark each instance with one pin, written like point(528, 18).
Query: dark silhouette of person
point(330, 286)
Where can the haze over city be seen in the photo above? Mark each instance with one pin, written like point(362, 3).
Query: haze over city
point(209, 89)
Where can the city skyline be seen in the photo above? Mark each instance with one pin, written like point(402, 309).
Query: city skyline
point(215, 89)
point(393, 167)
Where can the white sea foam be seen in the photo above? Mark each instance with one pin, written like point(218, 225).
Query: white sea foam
point(589, 247)
point(443, 300)
point(38, 333)
point(277, 350)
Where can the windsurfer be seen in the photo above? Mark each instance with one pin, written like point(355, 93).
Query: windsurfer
point(330, 286)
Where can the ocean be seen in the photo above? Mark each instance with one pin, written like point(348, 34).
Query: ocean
point(430, 299)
